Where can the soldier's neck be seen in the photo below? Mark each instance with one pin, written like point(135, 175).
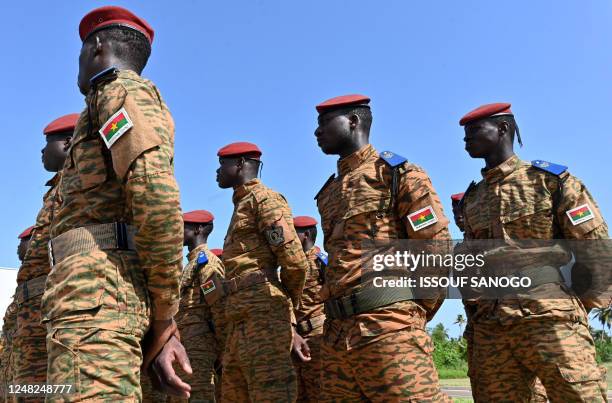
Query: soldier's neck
point(308, 245)
point(200, 240)
point(498, 158)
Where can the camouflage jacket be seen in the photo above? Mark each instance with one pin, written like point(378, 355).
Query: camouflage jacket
point(312, 305)
point(356, 206)
point(36, 261)
point(515, 201)
point(130, 181)
point(261, 236)
point(194, 314)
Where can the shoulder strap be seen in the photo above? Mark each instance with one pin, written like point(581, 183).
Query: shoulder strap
point(394, 161)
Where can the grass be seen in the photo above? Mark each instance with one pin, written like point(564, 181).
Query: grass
point(452, 373)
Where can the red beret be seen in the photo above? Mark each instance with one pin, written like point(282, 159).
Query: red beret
point(240, 148)
point(486, 111)
point(27, 233)
point(198, 217)
point(217, 252)
point(62, 124)
point(457, 197)
point(108, 16)
point(304, 221)
point(344, 100)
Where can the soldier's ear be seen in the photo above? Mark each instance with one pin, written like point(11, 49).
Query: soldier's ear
point(503, 127)
point(98, 46)
point(353, 121)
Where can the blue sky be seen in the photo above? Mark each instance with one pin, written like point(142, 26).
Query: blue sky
point(253, 71)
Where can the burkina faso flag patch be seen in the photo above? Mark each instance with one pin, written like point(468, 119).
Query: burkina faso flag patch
point(115, 127)
point(422, 218)
point(208, 287)
point(580, 214)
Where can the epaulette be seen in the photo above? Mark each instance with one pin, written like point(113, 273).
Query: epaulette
point(392, 159)
point(322, 256)
point(202, 258)
point(331, 178)
point(108, 74)
point(549, 167)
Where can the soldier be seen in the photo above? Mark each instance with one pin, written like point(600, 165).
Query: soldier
point(309, 314)
point(375, 346)
point(9, 324)
point(257, 362)
point(515, 339)
point(30, 347)
point(200, 324)
point(116, 238)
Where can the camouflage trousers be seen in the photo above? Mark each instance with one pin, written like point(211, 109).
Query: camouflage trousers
point(7, 358)
point(537, 390)
point(397, 368)
point(30, 346)
point(560, 353)
point(257, 364)
point(309, 373)
point(102, 365)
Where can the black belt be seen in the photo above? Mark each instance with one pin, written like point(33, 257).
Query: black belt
point(365, 300)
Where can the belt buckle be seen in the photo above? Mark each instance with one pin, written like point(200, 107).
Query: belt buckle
point(50, 250)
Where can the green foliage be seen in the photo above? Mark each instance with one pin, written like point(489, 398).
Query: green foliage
point(450, 355)
point(604, 350)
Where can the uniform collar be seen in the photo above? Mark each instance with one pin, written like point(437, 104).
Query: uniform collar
point(502, 170)
point(194, 253)
point(53, 181)
point(241, 191)
point(354, 160)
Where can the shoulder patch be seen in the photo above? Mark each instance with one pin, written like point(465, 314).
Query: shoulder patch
point(115, 127)
point(329, 180)
point(549, 167)
point(392, 159)
point(322, 256)
point(580, 214)
point(202, 258)
point(422, 218)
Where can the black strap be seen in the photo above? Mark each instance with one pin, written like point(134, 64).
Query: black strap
point(365, 300)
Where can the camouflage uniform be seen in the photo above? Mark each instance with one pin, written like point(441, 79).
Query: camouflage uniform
point(310, 317)
point(98, 299)
point(30, 348)
point(518, 339)
point(257, 362)
point(198, 324)
point(383, 354)
point(7, 360)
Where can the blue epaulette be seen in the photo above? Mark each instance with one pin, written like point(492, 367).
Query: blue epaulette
point(322, 256)
point(106, 73)
point(392, 159)
point(549, 167)
point(202, 258)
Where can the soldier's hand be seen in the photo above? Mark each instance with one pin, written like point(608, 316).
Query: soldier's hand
point(300, 347)
point(165, 377)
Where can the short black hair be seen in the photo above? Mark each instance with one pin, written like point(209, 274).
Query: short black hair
point(364, 113)
point(60, 135)
point(128, 44)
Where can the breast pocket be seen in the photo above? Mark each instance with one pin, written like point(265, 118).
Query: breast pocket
point(245, 236)
point(530, 220)
point(86, 168)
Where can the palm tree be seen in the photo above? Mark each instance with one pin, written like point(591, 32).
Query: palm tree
point(461, 322)
point(604, 315)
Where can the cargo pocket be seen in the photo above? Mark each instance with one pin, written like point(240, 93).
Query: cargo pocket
point(75, 286)
point(63, 359)
point(585, 379)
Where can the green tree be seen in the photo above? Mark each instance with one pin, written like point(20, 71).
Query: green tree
point(604, 315)
point(461, 322)
point(439, 334)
